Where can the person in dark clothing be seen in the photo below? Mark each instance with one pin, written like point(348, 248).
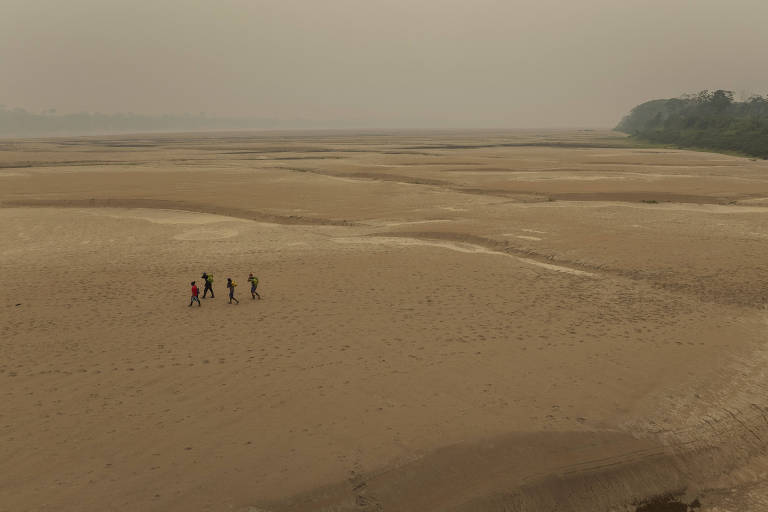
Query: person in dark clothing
point(231, 285)
point(208, 282)
point(195, 292)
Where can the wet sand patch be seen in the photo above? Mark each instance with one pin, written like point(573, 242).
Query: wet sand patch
point(463, 247)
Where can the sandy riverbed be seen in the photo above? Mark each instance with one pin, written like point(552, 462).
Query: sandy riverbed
point(547, 321)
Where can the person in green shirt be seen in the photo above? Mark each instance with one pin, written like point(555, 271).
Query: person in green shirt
point(254, 283)
point(208, 281)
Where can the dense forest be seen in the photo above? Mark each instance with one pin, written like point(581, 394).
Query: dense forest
point(708, 120)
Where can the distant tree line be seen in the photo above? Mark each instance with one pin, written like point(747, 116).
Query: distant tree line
point(18, 122)
point(707, 120)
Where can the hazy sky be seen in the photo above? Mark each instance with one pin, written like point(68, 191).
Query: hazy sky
point(410, 63)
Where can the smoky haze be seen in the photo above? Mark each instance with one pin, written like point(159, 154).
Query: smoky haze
point(379, 63)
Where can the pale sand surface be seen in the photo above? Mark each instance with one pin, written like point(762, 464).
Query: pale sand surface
point(505, 327)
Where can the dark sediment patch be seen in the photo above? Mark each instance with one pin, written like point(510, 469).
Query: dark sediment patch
point(527, 195)
point(668, 503)
point(704, 164)
point(163, 204)
point(449, 163)
point(577, 471)
point(71, 163)
point(262, 151)
point(544, 471)
point(275, 158)
point(130, 146)
point(571, 145)
point(640, 196)
point(499, 170)
point(412, 180)
point(372, 176)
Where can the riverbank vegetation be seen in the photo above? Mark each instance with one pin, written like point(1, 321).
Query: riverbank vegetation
point(707, 120)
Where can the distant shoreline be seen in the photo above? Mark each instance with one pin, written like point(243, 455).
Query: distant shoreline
point(708, 121)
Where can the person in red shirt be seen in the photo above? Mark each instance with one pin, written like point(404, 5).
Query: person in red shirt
point(195, 293)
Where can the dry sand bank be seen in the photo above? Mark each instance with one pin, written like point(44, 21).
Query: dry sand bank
point(436, 334)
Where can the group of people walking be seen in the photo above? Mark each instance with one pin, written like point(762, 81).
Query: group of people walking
point(231, 284)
